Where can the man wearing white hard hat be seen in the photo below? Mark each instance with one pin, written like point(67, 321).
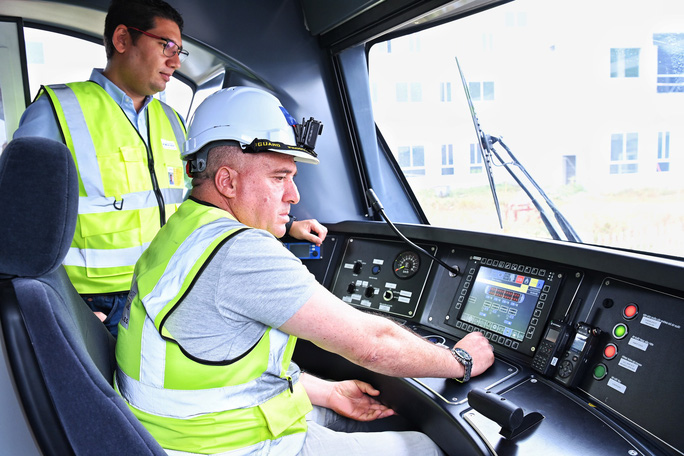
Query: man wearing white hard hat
point(217, 304)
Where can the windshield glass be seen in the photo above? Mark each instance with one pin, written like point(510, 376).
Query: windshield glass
point(587, 96)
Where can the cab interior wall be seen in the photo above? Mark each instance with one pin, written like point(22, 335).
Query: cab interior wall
point(275, 45)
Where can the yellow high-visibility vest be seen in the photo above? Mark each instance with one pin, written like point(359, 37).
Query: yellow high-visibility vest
point(127, 190)
point(189, 404)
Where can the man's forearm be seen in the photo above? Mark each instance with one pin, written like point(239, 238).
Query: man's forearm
point(394, 350)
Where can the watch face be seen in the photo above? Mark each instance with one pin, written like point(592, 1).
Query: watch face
point(464, 354)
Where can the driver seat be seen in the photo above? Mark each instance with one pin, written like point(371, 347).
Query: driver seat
point(61, 357)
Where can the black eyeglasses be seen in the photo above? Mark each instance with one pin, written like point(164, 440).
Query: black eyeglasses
point(170, 48)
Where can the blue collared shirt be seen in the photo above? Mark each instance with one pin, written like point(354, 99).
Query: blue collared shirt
point(39, 119)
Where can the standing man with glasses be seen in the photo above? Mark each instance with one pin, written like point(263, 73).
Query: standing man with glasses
point(126, 145)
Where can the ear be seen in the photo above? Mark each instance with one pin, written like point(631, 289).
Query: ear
point(226, 181)
point(121, 39)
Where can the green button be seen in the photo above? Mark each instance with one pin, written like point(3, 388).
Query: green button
point(619, 331)
point(600, 371)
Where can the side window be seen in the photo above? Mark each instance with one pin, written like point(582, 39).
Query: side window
point(12, 97)
point(55, 58)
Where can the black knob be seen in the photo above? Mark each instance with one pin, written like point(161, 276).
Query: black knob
point(357, 267)
point(369, 292)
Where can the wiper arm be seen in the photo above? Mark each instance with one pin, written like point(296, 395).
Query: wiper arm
point(482, 144)
point(542, 213)
point(568, 230)
point(486, 147)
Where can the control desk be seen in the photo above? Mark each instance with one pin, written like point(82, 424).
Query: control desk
point(586, 340)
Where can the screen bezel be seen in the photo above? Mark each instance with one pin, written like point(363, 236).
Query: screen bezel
point(537, 324)
point(485, 280)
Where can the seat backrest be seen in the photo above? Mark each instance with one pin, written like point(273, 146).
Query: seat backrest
point(61, 356)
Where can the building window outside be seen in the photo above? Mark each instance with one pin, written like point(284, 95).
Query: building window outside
point(412, 160)
point(475, 160)
point(670, 63)
point(481, 90)
point(416, 92)
point(444, 91)
point(663, 165)
point(515, 19)
point(402, 92)
point(414, 43)
point(447, 159)
point(624, 63)
point(409, 92)
point(624, 151)
point(488, 42)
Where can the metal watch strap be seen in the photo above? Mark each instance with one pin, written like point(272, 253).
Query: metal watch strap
point(467, 363)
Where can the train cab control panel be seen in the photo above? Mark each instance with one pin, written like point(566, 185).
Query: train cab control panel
point(577, 349)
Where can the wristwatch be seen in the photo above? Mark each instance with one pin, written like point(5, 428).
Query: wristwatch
point(464, 358)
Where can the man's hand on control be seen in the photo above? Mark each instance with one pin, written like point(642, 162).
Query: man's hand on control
point(308, 230)
point(479, 349)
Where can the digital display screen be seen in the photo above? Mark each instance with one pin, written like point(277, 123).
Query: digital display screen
point(578, 344)
point(300, 250)
point(304, 250)
point(502, 302)
point(552, 335)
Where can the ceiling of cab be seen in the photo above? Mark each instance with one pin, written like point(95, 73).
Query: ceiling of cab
point(321, 16)
point(345, 24)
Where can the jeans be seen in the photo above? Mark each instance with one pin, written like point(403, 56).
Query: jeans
point(331, 434)
point(111, 304)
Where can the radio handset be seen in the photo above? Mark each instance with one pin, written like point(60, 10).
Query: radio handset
point(550, 348)
point(574, 360)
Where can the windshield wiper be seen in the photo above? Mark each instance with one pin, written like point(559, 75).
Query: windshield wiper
point(486, 147)
point(568, 230)
point(483, 145)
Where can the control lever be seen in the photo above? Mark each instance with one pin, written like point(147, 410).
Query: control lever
point(506, 414)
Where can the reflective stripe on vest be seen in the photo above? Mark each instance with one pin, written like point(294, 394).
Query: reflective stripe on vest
point(105, 248)
point(177, 129)
point(84, 149)
point(128, 201)
point(173, 403)
point(97, 258)
point(172, 394)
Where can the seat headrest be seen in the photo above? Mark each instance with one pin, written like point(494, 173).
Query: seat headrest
point(38, 204)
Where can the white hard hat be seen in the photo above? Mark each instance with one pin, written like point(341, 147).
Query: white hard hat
point(254, 118)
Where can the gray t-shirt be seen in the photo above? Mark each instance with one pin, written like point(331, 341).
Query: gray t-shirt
point(251, 283)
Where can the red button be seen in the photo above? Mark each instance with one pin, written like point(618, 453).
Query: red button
point(630, 311)
point(610, 351)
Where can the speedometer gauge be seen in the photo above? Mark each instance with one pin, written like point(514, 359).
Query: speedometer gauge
point(406, 264)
